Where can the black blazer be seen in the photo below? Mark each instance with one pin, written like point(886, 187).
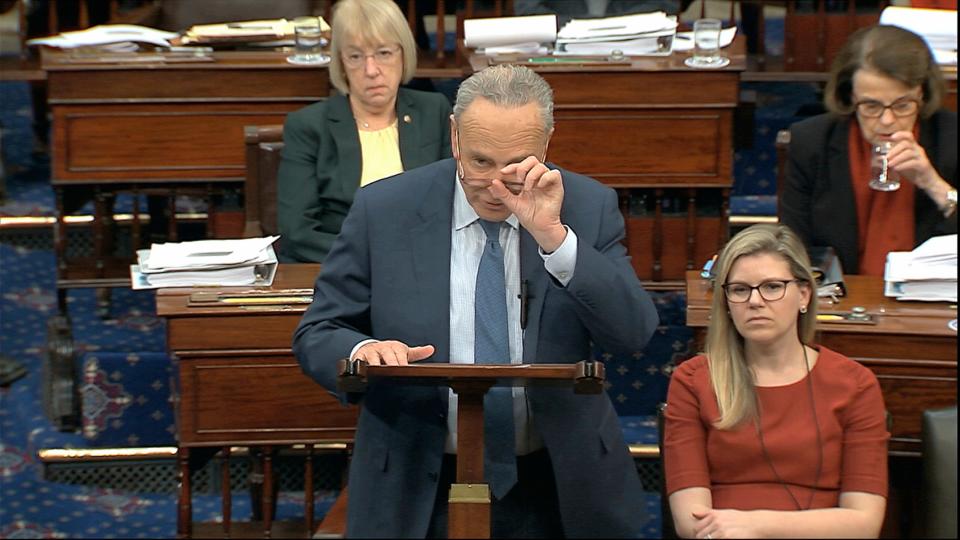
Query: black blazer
point(818, 201)
point(321, 162)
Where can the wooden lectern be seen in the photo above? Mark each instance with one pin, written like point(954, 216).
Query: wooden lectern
point(469, 511)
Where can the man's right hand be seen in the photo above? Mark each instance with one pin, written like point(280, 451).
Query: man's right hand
point(392, 353)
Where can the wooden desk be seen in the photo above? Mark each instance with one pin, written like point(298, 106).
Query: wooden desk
point(910, 349)
point(153, 120)
point(239, 384)
point(660, 132)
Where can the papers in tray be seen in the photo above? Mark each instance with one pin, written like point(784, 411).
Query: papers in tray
point(105, 34)
point(633, 35)
point(928, 273)
point(244, 31)
point(225, 263)
point(938, 27)
point(501, 35)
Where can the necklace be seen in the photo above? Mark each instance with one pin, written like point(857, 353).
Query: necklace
point(816, 423)
point(366, 125)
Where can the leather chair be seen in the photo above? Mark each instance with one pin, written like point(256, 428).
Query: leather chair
point(263, 147)
point(939, 495)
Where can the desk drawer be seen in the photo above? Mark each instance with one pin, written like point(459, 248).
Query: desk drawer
point(232, 332)
point(163, 140)
point(265, 399)
point(646, 147)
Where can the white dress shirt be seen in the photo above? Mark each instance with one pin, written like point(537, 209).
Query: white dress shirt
point(467, 243)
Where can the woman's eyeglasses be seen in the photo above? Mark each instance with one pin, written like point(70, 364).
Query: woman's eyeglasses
point(770, 290)
point(383, 56)
point(875, 109)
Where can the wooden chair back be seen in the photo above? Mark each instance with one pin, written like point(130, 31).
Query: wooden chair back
point(667, 528)
point(263, 146)
point(783, 153)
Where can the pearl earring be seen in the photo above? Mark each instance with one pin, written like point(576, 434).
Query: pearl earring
point(803, 309)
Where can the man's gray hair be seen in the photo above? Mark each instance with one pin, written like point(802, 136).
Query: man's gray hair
point(506, 85)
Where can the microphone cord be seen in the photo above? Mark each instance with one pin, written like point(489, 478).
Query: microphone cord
point(816, 423)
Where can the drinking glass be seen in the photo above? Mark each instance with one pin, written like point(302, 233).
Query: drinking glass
point(706, 45)
point(309, 42)
point(881, 177)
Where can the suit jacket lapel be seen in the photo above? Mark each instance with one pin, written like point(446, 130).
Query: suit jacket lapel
point(841, 184)
point(408, 129)
point(431, 237)
point(343, 129)
point(533, 272)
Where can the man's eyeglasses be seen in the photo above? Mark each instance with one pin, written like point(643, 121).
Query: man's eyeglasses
point(482, 183)
point(770, 290)
point(875, 109)
point(383, 56)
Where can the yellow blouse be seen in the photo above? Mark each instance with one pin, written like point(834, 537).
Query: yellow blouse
point(381, 154)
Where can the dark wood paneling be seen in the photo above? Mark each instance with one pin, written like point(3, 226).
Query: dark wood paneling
point(255, 399)
point(211, 82)
point(238, 330)
point(645, 148)
point(644, 88)
point(125, 142)
point(673, 258)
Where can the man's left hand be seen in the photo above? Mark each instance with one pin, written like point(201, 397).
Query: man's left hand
point(537, 206)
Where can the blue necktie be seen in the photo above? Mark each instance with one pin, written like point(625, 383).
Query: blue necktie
point(491, 346)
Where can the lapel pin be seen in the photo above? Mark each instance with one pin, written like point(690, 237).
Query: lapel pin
point(407, 119)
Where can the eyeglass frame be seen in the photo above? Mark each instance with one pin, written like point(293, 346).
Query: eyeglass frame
point(916, 103)
point(395, 51)
point(485, 182)
point(784, 282)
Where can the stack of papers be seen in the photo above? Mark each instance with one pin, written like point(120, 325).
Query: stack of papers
point(506, 35)
point(244, 31)
point(938, 27)
point(633, 35)
point(106, 34)
point(250, 261)
point(928, 273)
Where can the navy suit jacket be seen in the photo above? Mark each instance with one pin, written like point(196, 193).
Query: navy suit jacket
point(388, 277)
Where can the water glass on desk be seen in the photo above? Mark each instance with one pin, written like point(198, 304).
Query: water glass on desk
point(309, 42)
point(706, 45)
point(882, 178)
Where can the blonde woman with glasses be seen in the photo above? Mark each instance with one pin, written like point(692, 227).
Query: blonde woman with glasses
point(884, 91)
point(768, 435)
point(371, 130)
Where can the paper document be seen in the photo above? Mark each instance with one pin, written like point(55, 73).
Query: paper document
point(509, 31)
point(206, 254)
point(927, 273)
point(193, 264)
point(938, 27)
point(631, 35)
point(622, 26)
point(105, 34)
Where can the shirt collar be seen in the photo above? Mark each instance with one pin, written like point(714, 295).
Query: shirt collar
point(464, 215)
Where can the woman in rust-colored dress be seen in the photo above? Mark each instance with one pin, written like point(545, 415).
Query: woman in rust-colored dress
point(768, 435)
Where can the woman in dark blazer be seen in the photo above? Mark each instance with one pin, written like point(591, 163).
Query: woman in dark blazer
point(371, 130)
point(884, 86)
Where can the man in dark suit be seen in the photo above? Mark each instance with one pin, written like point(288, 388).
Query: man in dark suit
point(407, 280)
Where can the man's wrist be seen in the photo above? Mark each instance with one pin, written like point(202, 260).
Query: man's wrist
point(552, 240)
point(951, 205)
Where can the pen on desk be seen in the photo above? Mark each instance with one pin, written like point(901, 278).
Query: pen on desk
point(249, 26)
point(708, 268)
point(523, 304)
